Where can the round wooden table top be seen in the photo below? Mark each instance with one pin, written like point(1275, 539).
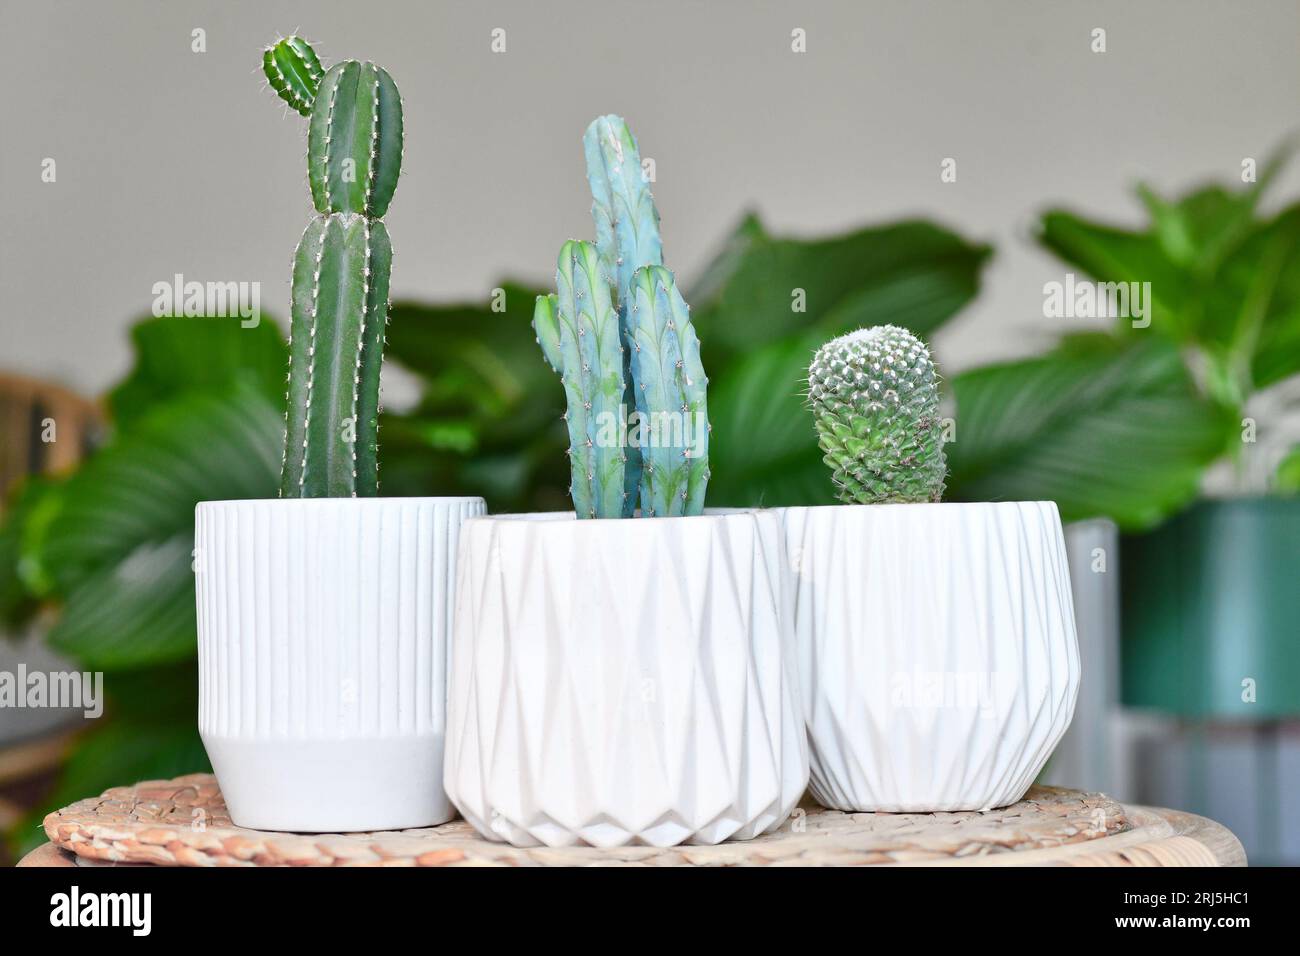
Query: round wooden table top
point(183, 822)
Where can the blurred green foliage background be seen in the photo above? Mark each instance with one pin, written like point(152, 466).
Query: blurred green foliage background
point(1121, 422)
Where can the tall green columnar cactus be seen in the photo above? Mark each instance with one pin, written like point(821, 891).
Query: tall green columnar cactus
point(659, 371)
point(875, 401)
point(340, 305)
point(341, 271)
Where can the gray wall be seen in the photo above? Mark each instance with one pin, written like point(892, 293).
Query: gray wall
point(170, 161)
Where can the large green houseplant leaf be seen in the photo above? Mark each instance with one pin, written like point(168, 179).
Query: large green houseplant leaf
point(119, 550)
point(764, 288)
point(1128, 427)
point(1100, 426)
point(488, 419)
point(200, 417)
point(1225, 282)
point(179, 356)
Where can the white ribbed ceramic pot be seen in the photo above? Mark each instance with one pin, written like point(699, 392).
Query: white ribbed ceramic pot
point(623, 681)
point(936, 648)
point(322, 657)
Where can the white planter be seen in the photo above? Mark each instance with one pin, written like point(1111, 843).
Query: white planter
point(322, 657)
point(623, 681)
point(937, 650)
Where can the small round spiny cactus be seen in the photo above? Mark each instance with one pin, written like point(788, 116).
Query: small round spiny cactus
point(875, 400)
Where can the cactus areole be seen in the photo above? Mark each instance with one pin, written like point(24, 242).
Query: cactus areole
point(875, 400)
point(620, 336)
point(340, 272)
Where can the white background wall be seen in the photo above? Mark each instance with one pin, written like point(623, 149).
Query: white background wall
point(170, 161)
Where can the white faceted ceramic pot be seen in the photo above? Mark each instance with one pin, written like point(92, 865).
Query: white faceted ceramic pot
point(322, 657)
point(937, 650)
point(622, 681)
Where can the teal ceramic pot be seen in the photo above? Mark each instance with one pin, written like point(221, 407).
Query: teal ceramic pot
point(1211, 612)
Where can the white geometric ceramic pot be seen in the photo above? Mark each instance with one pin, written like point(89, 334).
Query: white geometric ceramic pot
point(937, 650)
point(322, 657)
point(623, 681)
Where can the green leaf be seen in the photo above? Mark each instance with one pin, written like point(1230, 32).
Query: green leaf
point(1172, 228)
point(138, 610)
point(1109, 254)
point(1203, 227)
point(488, 422)
point(1222, 282)
point(763, 448)
point(912, 274)
point(176, 356)
point(1100, 426)
point(118, 548)
point(166, 692)
point(32, 504)
point(1287, 479)
point(1253, 306)
point(728, 260)
point(493, 356)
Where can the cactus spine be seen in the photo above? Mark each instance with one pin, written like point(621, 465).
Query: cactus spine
point(658, 372)
point(341, 271)
point(875, 401)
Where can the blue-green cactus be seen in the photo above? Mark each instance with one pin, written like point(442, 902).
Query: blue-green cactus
point(627, 236)
point(660, 378)
point(627, 222)
point(341, 271)
point(670, 386)
point(591, 354)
